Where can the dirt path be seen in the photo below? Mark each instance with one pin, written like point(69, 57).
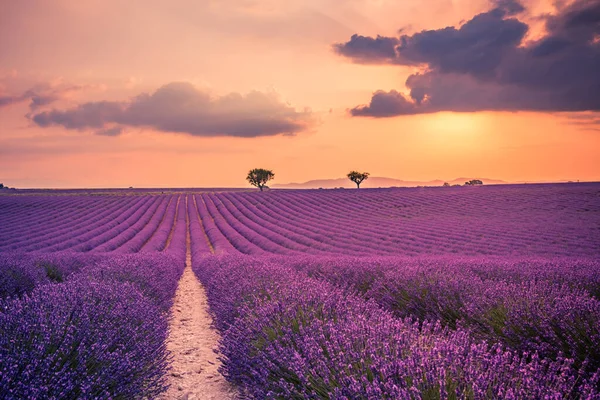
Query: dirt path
point(191, 342)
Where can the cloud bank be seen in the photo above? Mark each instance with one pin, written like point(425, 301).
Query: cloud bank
point(486, 65)
point(179, 107)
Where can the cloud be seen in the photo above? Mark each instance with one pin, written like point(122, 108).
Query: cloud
point(180, 107)
point(585, 121)
point(368, 50)
point(476, 47)
point(385, 104)
point(114, 131)
point(7, 100)
point(509, 7)
point(40, 95)
point(485, 64)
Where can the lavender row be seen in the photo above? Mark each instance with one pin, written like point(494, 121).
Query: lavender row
point(250, 231)
point(27, 210)
point(328, 233)
point(345, 231)
point(410, 234)
point(155, 275)
point(527, 305)
point(50, 235)
point(20, 272)
point(132, 217)
point(275, 239)
point(130, 232)
point(286, 335)
point(69, 235)
point(231, 233)
point(138, 241)
point(177, 241)
point(494, 220)
point(59, 211)
point(102, 231)
point(199, 242)
point(159, 238)
point(100, 334)
point(297, 238)
point(217, 239)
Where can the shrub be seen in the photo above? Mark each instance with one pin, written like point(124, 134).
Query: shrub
point(82, 339)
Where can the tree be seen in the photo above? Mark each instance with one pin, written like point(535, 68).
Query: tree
point(1, 186)
point(259, 177)
point(474, 182)
point(358, 177)
point(446, 184)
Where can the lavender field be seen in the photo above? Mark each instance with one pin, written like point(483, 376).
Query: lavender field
point(424, 293)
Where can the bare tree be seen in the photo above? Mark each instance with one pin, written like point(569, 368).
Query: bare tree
point(358, 177)
point(259, 177)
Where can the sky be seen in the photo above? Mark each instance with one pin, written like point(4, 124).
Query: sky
point(188, 93)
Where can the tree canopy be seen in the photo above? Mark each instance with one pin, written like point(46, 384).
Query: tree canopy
point(357, 177)
point(474, 182)
point(259, 177)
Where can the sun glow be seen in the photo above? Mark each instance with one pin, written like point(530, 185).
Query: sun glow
point(455, 133)
point(460, 125)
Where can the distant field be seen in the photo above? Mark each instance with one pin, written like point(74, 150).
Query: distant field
point(561, 219)
point(459, 292)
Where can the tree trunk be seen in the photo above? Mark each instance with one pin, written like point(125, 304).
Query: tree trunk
point(260, 187)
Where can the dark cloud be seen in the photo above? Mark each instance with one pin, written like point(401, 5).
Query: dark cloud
point(476, 47)
point(364, 49)
point(180, 107)
point(510, 7)
point(485, 65)
point(385, 104)
point(434, 92)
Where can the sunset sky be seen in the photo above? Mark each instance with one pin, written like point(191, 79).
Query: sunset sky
point(188, 93)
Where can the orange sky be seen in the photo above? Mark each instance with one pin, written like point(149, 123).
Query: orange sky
point(112, 51)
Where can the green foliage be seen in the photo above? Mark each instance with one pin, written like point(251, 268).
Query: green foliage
point(357, 177)
point(259, 177)
point(474, 182)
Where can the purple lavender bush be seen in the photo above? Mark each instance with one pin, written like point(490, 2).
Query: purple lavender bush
point(514, 302)
point(155, 275)
point(286, 335)
point(100, 334)
point(82, 339)
point(20, 273)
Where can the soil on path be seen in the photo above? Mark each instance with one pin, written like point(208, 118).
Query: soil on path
point(192, 339)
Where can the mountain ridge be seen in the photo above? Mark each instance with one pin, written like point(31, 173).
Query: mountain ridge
point(376, 182)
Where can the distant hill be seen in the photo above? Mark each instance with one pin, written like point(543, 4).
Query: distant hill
point(376, 182)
